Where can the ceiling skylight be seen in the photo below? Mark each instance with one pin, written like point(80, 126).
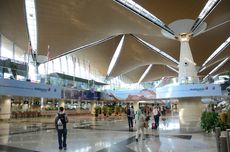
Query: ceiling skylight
point(172, 68)
point(115, 56)
point(217, 51)
point(202, 69)
point(145, 73)
point(136, 8)
point(31, 22)
point(217, 67)
point(157, 50)
point(210, 5)
point(84, 47)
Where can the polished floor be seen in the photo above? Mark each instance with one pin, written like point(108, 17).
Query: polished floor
point(87, 134)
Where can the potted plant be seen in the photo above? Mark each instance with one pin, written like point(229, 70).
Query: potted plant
point(228, 116)
point(110, 110)
point(97, 110)
point(105, 110)
point(209, 121)
point(117, 110)
point(224, 121)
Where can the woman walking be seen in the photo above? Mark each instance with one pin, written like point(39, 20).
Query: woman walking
point(140, 120)
point(156, 116)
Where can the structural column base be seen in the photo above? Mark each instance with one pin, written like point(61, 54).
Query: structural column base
point(5, 107)
point(190, 110)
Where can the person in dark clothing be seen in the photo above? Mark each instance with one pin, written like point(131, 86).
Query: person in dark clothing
point(130, 115)
point(60, 123)
point(156, 116)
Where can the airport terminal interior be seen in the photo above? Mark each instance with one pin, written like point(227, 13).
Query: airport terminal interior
point(131, 75)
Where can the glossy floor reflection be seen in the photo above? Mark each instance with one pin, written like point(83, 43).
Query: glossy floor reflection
point(85, 134)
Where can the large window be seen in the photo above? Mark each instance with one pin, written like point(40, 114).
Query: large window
point(19, 54)
point(56, 65)
point(77, 67)
point(64, 65)
point(10, 50)
point(6, 48)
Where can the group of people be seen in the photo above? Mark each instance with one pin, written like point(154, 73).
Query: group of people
point(142, 117)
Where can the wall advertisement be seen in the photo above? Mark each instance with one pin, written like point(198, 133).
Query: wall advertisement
point(69, 93)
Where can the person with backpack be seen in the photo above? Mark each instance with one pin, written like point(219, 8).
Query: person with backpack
point(60, 123)
point(130, 115)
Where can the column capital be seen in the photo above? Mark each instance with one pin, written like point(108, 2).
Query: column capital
point(182, 37)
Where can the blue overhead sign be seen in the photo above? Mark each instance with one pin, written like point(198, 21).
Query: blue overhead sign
point(28, 89)
point(189, 90)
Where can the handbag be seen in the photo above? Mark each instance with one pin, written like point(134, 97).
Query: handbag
point(154, 125)
point(158, 113)
point(146, 124)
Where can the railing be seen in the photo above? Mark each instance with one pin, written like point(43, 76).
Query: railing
point(25, 114)
point(191, 80)
point(12, 60)
point(175, 81)
point(13, 73)
point(222, 140)
point(22, 75)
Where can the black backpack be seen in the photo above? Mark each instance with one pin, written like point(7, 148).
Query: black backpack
point(128, 112)
point(61, 123)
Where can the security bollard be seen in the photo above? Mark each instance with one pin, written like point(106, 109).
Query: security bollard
point(217, 130)
point(223, 144)
point(228, 139)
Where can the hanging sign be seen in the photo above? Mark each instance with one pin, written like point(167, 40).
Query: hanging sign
point(28, 89)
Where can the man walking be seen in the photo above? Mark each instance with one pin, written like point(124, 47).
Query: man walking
point(60, 124)
point(130, 115)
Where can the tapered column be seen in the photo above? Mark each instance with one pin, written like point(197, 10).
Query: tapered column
point(135, 105)
point(61, 103)
point(5, 128)
point(42, 104)
point(187, 67)
point(5, 107)
point(93, 105)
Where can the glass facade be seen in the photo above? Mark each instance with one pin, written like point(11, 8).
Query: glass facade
point(6, 48)
point(9, 49)
point(12, 60)
point(69, 65)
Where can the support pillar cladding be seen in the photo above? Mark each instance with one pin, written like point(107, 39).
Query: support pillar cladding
point(5, 107)
point(61, 102)
point(190, 110)
point(187, 67)
point(93, 105)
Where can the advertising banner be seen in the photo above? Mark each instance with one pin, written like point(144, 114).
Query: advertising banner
point(69, 93)
point(188, 90)
point(129, 95)
point(28, 89)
